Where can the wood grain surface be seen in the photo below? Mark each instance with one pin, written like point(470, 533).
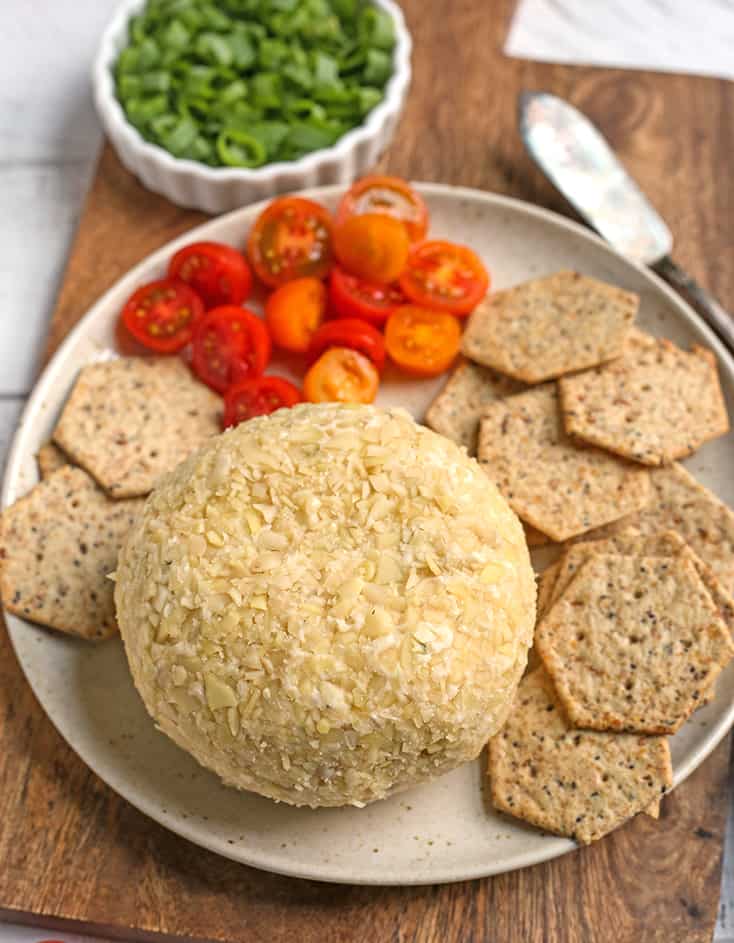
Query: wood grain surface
point(70, 849)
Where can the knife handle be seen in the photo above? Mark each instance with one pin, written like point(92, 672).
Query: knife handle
point(717, 317)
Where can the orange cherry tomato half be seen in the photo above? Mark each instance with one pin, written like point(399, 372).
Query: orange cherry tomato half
point(294, 311)
point(422, 342)
point(230, 344)
point(373, 246)
point(353, 297)
point(389, 195)
point(257, 396)
point(446, 276)
point(349, 332)
point(291, 238)
point(218, 273)
point(341, 375)
point(162, 315)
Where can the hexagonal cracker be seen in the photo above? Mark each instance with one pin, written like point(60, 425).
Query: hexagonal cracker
point(130, 420)
point(633, 644)
point(550, 326)
point(572, 782)
point(549, 481)
point(654, 404)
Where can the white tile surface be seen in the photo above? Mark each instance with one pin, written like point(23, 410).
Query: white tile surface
point(43, 200)
point(46, 108)
point(49, 135)
point(662, 35)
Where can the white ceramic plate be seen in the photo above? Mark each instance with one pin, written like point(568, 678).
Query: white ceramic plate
point(441, 832)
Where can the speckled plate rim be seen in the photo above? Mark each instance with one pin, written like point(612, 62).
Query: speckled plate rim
point(44, 391)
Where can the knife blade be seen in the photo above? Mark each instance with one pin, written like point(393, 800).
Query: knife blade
point(577, 159)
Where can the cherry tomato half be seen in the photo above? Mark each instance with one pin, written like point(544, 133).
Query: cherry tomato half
point(257, 396)
point(341, 375)
point(389, 195)
point(294, 311)
point(446, 276)
point(353, 297)
point(291, 238)
point(349, 332)
point(162, 315)
point(422, 342)
point(218, 273)
point(373, 246)
point(230, 344)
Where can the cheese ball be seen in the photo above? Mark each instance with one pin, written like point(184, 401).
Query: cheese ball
point(327, 605)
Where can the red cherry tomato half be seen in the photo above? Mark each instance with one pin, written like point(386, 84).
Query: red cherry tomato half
point(351, 333)
point(352, 297)
point(294, 311)
point(218, 273)
point(446, 276)
point(230, 344)
point(257, 396)
point(162, 315)
point(389, 195)
point(291, 238)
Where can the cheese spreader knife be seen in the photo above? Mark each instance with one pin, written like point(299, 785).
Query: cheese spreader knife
point(579, 162)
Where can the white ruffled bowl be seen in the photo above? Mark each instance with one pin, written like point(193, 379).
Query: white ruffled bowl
point(220, 189)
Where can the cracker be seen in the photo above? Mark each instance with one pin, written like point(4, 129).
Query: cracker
point(652, 405)
point(678, 502)
point(550, 326)
point(534, 537)
point(627, 543)
point(456, 409)
point(50, 458)
point(653, 810)
point(129, 421)
point(571, 782)
point(631, 542)
point(547, 582)
point(57, 546)
point(633, 644)
point(549, 481)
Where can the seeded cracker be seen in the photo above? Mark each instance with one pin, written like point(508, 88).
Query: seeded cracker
point(50, 458)
point(633, 644)
point(652, 405)
point(456, 410)
point(547, 582)
point(534, 537)
point(129, 421)
point(550, 326)
point(550, 482)
point(627, 543)
point(679, 502)
point(630, 543)
point(57, 546)
point(572, 782)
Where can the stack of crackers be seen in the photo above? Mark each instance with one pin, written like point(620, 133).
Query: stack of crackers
point(125, 423)
point(578, 416)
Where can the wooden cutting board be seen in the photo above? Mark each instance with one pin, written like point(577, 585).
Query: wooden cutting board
point(70, 849)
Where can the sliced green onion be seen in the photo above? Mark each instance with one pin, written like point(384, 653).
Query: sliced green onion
point(215, 49)
point(175, 36)
point(375, 28)
point(378, 67)
point(238, 149)
point(242, 82)
point(266, 89)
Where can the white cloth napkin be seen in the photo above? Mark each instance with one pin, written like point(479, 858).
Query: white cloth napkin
point(695, 36)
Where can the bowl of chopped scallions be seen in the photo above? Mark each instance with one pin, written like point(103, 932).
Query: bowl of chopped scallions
point(217, 103)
